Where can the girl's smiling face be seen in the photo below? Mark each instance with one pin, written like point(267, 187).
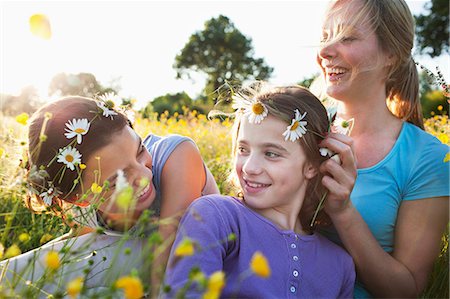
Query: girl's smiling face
point(273, 173)
point(125, 152)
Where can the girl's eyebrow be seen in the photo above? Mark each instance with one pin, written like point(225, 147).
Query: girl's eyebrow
point(276, 146)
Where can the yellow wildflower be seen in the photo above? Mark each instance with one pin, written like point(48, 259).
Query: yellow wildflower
point(447, 158)
point(2, 151)
point(12, 251)
point(216, 283)
point(185, 248)
point(96, 189)
point(125, 197)
point(440, 107)
point(22, 118)
point(45, 238)
point(52, 260)
point(2, 250)
point(24, 237)
point(259, 265)
point(75, 286)
point(132, 287)
point(443, 138)
point(82, 166)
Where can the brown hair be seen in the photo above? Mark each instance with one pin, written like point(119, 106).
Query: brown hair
point(393, 25)
point(46, 138)
point(282, 102)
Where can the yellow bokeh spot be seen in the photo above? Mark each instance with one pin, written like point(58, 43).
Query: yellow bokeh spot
point(12, 251)
point(260, 265)
point(22, 118)
point(185, 248)
point(75, 286)
point(440, 107)
point(216, 281)
point(96, 189)
point(52, 260)
point(443, 138)
point(132, 287)
point(2, 151)
point(2, 250)
point(125, 197)
point(24, 237)
point(40, 26)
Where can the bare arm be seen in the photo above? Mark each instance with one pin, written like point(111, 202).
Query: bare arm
point(182, 181)
point(419, 228)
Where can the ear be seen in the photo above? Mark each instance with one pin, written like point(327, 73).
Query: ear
point(309, 171)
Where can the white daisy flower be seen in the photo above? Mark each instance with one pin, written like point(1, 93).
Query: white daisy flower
point(343, 126)
point(77, 127)
point(106, 111)
point(256, 113)
point(324, 152)
point(48, 195)
point(69, 156)
point(297, 128)
point(112, 100)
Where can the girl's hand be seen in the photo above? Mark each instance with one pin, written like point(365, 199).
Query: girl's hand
point(339, 178)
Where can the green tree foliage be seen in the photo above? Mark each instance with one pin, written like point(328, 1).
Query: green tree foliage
point(223, 53)
point(171, 103)
point(432, 28)
point(431, 97)
point(82, 84)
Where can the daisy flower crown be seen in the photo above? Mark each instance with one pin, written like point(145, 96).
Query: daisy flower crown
point(69, 156)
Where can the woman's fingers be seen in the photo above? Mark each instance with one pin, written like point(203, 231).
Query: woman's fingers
point(343, 146)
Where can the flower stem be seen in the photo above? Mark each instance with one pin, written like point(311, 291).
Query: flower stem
point(319, 207)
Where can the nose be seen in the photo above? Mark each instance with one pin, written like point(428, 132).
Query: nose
point(252, 165)
point(327, 52)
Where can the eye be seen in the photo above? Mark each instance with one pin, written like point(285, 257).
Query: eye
point(241, 150)
point(141, 149)
point(348, 39)
point(272, 155)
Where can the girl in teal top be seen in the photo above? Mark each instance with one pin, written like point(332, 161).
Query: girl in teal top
point(398, 211)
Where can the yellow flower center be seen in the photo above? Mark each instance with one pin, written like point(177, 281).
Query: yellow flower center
point(294, 126)
point(257, 108)
point(79, 131)
point(69, 158)
point(345, 124)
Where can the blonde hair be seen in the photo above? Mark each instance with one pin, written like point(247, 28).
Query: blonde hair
point(281, 103)
point(393, 24)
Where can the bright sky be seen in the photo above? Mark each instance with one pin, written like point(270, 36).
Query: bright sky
point(134, 44)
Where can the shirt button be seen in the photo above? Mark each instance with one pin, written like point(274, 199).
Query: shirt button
point(293, 246)
point(292, 289)
point(295, 273)
point(295, 258)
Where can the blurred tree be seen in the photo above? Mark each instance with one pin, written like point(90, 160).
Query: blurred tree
point(171, 103)
point(431, 96)
point(222, 52)
point(28, 101)
point(307, 81)
point(432, 29)
point(82, 84)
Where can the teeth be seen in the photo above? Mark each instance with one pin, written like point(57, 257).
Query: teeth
point(336, 70)
point(143, 191)
point(255, 185)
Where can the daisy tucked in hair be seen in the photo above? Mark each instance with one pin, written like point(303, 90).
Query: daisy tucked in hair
point(262, 243)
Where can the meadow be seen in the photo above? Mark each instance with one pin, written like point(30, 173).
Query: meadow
point(21, 231)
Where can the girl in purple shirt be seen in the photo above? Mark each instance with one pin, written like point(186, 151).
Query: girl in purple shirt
point(261, 245)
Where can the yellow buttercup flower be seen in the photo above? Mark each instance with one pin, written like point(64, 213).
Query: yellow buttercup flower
point(22, 118)
point(52, 260)
point(447, 158)
point(185, 248)
point(96, 189)
point(12, 251)
point(440, 107)
point(132, 287)
point(82, 166)
point(259, 265)
point(216, 283)
point(443, 138)
point(45, 238)
point(75, 286)
point(24, 237)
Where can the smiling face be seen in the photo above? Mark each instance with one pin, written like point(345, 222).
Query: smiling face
point(350, 56)
point(273, 173)
point(127, 153)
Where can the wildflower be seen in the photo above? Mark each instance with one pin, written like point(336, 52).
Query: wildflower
point(440, 107)
point(447, 158)
point(124, 197)
point(443, 138)
point(2, 151)
point(216, 282)
point(24, 237)
point(132, 287)
point(45, 238)
point(77, 127)
point(2, 250)
point(297, 128)
point(40, 26)
point(52, 260)
point(256, 113)
point(105, 110)
point(343, 126)
point(259, 265)
point(111, 100)
point(47, 196)
point(185, 248)
point(69, 156)
point(12, 251)
point(82, 166)
point(96, 189)
point(22, 118)
point(75, 286)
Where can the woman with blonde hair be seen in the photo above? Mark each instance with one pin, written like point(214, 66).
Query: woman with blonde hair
point(398, 211)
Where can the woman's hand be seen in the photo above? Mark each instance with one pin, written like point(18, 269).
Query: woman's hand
point(339, 174)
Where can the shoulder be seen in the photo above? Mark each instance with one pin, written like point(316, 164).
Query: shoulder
point(215, 206)
point(422, 142)
point(335, 252)
point(169, 141)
